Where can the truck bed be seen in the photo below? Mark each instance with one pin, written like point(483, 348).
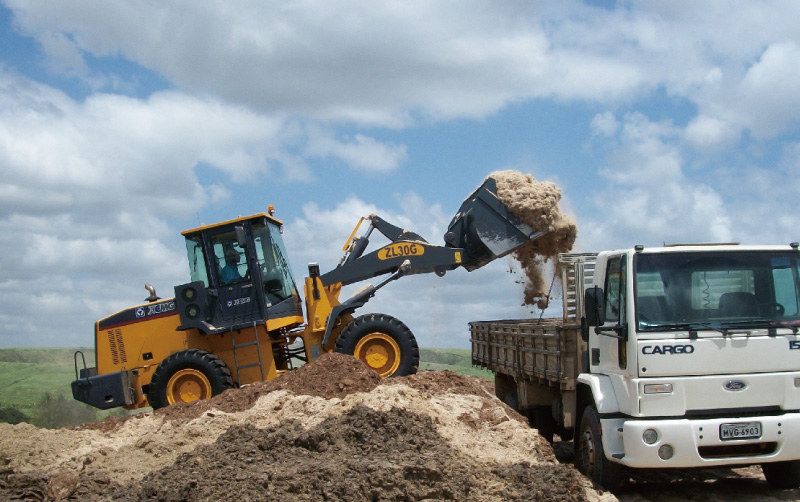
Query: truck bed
point(543, 350)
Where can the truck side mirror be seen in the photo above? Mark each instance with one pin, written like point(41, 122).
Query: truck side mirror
point(594, 305)
point(241, 238)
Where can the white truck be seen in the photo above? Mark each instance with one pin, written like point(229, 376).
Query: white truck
point(669, 357)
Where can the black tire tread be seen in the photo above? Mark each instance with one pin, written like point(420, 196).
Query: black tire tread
point(352, 333)
point(606, 473)
point(782, 475)
point(215, 370)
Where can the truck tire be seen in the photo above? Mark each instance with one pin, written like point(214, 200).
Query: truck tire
point(186, 376)
point(590, 458)
point(782, 475)
point(382, 342)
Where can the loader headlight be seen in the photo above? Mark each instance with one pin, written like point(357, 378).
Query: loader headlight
point(189, 294)
point(665, 452)
point(192, 311)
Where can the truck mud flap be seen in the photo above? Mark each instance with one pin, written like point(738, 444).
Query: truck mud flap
point(105, 391)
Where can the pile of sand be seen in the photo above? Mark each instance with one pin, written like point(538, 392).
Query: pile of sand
point(434, 435)
point(537, 204)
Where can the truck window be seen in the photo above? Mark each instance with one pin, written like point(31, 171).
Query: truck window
point(785, 290)
point(716, 288)
point(615, 289)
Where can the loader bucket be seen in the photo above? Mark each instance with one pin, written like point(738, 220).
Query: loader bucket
point(485, 228)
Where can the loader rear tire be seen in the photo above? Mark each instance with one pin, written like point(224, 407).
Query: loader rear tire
point(383, 343)
point(186, 376)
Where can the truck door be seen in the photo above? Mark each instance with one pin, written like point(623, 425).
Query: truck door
point(238, 301)
point(609, 349)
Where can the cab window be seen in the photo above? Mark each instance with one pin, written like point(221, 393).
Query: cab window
point(615, 289)
point(229, 258)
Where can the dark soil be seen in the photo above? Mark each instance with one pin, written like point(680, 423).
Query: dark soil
point(332, 375)
point(362, 455)
point(89, 485)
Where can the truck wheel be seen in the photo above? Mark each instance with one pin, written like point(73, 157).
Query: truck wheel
point(541, 419)
point(187, 376)
point(382, 342)
point(782, 475)
point(590, 458)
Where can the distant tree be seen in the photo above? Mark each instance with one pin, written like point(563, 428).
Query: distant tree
point(12, 415)
point(53, 411)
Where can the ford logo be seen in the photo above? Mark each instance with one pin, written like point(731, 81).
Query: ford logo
point(735, 385)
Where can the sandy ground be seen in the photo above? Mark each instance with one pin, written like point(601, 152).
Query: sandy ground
point(714, 485)
point(328, 431)
point(332, 431)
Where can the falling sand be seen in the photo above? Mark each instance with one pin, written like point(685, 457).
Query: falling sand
point(536, 204)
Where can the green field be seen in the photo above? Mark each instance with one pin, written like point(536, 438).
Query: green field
point(27, 374)
point(455, 360)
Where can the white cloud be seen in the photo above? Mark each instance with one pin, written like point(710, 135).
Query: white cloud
point(387, 64)
point(362, 152)
point(650, 200)
point(711, 133)
point(769, 90)
point(604, 124)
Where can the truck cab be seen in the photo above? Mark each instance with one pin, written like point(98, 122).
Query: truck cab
point(693, 360)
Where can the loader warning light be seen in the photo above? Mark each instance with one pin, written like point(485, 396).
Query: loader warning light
point(271, 210)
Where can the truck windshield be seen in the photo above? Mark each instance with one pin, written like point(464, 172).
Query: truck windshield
point(717, 290)
point(275, 270)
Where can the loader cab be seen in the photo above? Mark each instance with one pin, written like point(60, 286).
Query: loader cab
point(240, 276)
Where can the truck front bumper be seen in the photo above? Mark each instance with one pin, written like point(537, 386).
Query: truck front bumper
point(698, 442)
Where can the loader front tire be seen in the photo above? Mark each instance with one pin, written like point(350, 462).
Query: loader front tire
point(186, 376)
point(382, 342)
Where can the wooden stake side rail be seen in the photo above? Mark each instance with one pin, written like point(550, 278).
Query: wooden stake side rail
point(544, 350)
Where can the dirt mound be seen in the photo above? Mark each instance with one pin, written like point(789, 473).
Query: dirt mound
point(329, 431)
point(332, 375)
point(362, 455)
point(537, 204)
point(444, 382)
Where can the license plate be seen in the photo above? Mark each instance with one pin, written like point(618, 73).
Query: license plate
point(747, 430)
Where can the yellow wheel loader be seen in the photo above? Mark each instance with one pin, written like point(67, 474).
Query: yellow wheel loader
point(240, 319)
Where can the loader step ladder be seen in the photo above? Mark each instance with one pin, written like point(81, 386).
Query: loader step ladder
point(243, 345)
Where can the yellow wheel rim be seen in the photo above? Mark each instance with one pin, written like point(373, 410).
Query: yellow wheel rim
point(188, 385)
point(380, 352)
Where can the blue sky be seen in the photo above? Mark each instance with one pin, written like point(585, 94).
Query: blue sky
point(123, 123)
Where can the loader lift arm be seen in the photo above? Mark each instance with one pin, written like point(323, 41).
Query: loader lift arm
point(482, 230)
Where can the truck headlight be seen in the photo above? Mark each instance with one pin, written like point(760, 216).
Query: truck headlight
point(658, 388)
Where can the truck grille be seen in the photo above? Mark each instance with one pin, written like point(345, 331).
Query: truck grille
point(117, 346)
point(737, 450)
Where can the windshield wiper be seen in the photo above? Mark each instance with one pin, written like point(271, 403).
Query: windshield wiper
point(750, 323)
point(691, 327)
